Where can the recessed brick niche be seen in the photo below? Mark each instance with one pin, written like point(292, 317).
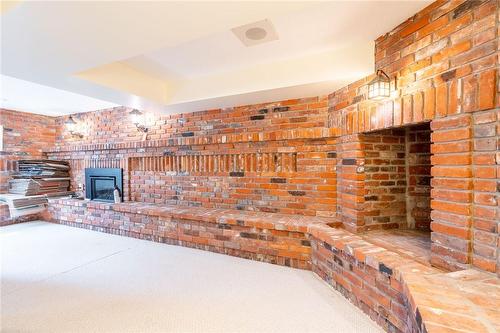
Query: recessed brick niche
point(397, 185)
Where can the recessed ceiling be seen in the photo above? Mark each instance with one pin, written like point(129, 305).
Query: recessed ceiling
point(171, 56)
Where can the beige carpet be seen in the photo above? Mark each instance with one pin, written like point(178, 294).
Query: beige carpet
point(61, 279)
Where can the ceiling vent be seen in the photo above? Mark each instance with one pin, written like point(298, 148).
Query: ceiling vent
point(256, 33)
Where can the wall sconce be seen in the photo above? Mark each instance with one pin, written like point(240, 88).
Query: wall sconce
point(137, 118)
point(380, 87)
point(72, 125)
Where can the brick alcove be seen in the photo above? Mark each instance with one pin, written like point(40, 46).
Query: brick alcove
point(392, 173)
point(397, 178)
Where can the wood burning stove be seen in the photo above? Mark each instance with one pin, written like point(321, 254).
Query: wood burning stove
point(101, 182)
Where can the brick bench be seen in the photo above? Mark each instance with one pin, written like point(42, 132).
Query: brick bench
point(275, 238)
point(399, 294)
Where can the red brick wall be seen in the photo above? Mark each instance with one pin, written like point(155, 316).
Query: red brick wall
point(274, 157)
point(486, 189)
point(446, 62)
point(26, 135)
point(385, 180)
point(350, 182)
point(378, 294)
point(418, 165)
point(445, 59)
point(452, 191)
point(263, 122)
point(245, 176)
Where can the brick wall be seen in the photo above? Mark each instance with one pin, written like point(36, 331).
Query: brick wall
point(263, 122)
point(452, 191)
point(276, 157)
point(418, 166)
point(486, 189)
point(350, 182)
point(26, 135)
point(374, 291)
point(445, 59)
point(245, 176)
point(385, 180)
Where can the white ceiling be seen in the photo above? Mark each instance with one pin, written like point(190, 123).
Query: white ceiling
point(315, 29)
point(27, 96)
point(182, 56)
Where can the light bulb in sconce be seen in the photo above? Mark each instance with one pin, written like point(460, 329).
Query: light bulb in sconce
point(72, 125)
point(137, 118)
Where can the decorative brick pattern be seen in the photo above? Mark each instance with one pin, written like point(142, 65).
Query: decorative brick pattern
point(210, 164)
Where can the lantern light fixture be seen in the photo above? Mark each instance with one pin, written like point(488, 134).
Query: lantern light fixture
point(380, 87)
point(137, 118)
point(72, 125)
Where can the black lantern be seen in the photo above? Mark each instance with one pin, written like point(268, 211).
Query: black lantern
point(380, 87)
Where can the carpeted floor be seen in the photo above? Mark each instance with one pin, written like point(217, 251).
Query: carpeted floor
point(56, 278)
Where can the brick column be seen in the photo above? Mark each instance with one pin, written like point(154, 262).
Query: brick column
point(485, 209)
point(350, 182)
point(451, 196)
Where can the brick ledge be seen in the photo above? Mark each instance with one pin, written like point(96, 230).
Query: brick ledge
point(275, 221)
point(308, 133)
